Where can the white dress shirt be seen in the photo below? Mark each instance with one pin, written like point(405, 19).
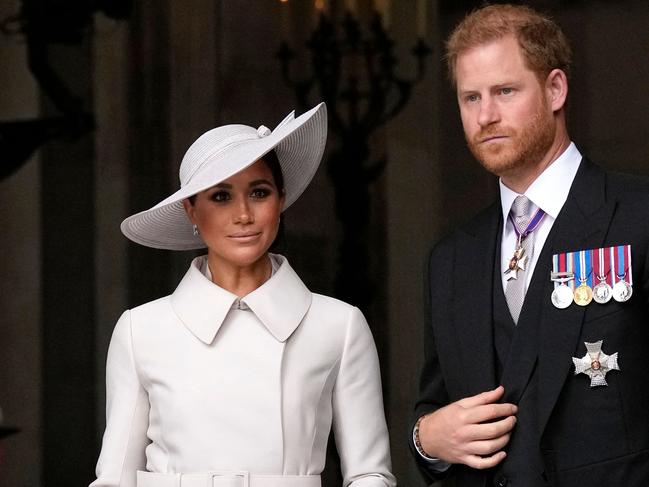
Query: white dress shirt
point(549, 192)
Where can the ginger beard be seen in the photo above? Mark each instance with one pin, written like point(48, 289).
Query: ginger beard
point(523, 147)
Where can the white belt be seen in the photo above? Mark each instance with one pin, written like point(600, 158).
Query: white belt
point(224, 479)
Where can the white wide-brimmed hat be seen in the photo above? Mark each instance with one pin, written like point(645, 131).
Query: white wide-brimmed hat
point(222, 152)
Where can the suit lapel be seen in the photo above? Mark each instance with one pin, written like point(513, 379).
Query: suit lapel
point(582, 224)
point(473, 292)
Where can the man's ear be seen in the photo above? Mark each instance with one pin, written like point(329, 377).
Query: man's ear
point(556, 88)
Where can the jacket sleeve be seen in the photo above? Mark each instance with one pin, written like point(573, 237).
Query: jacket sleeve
point(432, 390)
point(127, 414)
point(359, 420)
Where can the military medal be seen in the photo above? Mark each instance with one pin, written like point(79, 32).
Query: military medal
point(602, 292)
point(622, 289)
point(583, 293)
point(563, 277)
point(562, 295)
point(517, 262)
point(519, 259)
point(610, 265)
point(595, 364)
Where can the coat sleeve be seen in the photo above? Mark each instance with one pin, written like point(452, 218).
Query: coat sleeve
point(359, 420)
point(432, 389)
point(127, 414)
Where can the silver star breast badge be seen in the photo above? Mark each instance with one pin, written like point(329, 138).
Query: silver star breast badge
point(595, 364)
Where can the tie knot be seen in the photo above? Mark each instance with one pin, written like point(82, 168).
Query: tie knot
point(521, 206)
point(521, 212)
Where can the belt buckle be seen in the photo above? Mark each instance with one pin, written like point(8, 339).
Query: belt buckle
point(242, 474)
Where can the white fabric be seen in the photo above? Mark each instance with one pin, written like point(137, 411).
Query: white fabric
point(195, 385)
point(225, 479)
point(549, 192)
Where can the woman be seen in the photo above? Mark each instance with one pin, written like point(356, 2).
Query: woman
point(235, 379)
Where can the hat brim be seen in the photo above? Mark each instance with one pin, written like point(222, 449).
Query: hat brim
point(299, 144)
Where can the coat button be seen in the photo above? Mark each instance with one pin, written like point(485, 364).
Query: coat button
point(501, 481)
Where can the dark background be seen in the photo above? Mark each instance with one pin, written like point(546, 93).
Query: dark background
point(155, 81)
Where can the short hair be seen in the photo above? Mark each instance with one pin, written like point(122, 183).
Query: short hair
point(542, 42)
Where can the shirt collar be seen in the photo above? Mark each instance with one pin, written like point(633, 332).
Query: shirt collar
point(280, 303)
point(550, 190)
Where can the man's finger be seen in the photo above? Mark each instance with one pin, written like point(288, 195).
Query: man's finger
point(482, 463)
point(489, 431)
point(488, 447)
point(483, 398)
point(489, 412)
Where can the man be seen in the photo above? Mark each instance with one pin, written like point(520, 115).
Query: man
point(527, 381)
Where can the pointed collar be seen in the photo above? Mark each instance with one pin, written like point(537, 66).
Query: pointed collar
point(550, 190)
point(280, 303)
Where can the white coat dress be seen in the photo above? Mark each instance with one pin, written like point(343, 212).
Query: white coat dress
point(202, 381)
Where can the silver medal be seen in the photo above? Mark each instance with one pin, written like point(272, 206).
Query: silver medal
point(622, 291)
point(602, 293)
point(562, 296)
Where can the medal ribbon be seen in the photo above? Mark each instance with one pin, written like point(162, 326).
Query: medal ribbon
point(601, 259)
point(612, 264)
point(611, 253)
point(531, 226)
point(590, 277)
point(621, 268)
point(561, 263)
point(556, 265)
point(585, 274)
point(628, 271)
point(622, 263)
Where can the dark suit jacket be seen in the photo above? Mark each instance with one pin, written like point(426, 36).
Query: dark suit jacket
point(589, 436)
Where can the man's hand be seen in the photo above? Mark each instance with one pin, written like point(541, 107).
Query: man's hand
point(471, 431)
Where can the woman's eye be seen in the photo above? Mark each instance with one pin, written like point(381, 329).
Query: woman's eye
point(260, 192)
point(220, 196)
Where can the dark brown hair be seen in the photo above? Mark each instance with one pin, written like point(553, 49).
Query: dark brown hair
point(271, 160)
